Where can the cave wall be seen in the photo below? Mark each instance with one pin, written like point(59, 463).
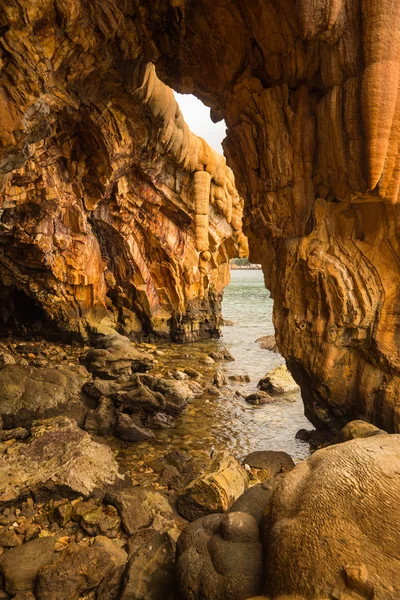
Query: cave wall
point(114, 216)
point(309, 91)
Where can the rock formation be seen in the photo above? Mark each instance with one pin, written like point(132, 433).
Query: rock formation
point(309, 91)
point(328, 531)
point(114, 216)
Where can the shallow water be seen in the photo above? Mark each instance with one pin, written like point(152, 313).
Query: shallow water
point(227, 422)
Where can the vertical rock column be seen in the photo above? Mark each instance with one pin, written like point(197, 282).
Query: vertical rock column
point(201, 189)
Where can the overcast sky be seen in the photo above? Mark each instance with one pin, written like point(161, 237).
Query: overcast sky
point(197, 116)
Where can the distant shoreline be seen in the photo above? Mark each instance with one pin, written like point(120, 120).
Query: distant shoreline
point(245, 267)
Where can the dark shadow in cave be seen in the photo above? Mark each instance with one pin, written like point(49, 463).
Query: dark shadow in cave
point(22, 316)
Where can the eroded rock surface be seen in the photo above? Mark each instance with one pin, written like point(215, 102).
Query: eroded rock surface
point(114, 216)
point(57, 458)
point(333, 517)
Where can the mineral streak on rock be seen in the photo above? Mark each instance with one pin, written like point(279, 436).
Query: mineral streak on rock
point(103, 222)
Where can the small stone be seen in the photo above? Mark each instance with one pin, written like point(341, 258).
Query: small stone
point(240, 378)
point(214, 491)
point(259, 398)
point(63, 513)
point(9, 539)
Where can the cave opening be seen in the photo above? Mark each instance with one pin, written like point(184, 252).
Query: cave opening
point(22, 316)
point(199, 120)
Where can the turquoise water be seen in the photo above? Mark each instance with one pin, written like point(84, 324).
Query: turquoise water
point(272, 426)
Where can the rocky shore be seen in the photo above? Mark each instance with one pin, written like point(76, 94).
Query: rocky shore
point(76, 523)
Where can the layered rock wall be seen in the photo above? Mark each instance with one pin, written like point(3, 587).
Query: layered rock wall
point(103, 222)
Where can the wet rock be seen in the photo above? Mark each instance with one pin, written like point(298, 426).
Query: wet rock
point(102, 387)
point(223, 355)
point(20, 566)
point(58, 458)
point(219, 557)
point(356, 429)
point(195, 387)
point(219, 379)
point(129, 429)
point(137, 507)
point(207, 360)
point(27, 393)
point(192, 373)
point(95, 520)
point(101, 420)
point(213, 391)
point(304, 435)
point(228, 323)
point(109, 588)
point(159, 421)
point(270, 462)
point(115, 356)
point(214, 491)
point(268, 342)
point(150, 571)
point(258, 398)
point(239, 378)
point(155, 394)
point(278, 381)
point(78, 569)
point(179, 375)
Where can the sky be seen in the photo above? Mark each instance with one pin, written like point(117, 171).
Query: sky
point(197, 116)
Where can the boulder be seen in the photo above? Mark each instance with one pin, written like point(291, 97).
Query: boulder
point(268, 342)
point(58, 458)
point(270, 462)
point(20, 566)
point(115, 356)
point(28, 393)
point(138, 507)
point(129, 429)
point(278, 381)
point(350, 493)
point(215, 490)
point(259, 398)
point(77, 570)
point(150, 573)
point(155, 394)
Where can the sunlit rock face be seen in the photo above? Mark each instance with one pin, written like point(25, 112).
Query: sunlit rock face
point(114, 216)
point(309, 91)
